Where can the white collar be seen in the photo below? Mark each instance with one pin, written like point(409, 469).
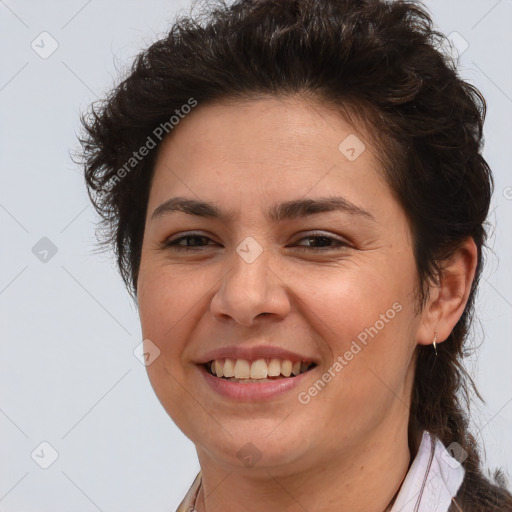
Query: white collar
point(432, 480)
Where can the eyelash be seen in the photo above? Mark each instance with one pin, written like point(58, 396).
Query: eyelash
point(173, 244)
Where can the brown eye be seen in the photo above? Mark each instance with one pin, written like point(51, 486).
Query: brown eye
point(322, 242)
point(197, 242)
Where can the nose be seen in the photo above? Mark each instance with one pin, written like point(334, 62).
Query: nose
point(250, 290)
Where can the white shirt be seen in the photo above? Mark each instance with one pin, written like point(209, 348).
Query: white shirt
point(433, 479)
point(429, 486)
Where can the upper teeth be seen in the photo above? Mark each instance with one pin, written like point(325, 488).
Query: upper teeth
point(258, 369)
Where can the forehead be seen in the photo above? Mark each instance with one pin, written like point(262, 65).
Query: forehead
point(265, 147)
point(289, 127)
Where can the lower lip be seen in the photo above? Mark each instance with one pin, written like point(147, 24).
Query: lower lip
point(248, 391)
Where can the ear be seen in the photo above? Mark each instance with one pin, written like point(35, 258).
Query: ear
point(448, 299)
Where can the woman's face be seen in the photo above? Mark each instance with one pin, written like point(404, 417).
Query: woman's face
point(276, 278)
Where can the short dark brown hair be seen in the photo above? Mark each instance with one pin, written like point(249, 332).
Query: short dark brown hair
point(382, 65)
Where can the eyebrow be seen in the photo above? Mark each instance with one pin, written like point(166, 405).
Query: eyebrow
point(293, 209)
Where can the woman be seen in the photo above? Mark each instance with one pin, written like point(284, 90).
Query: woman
point(296, 195)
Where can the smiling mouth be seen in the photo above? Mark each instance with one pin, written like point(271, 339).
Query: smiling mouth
point(259, 370)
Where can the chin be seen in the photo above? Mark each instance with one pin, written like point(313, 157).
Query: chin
point(253, 444)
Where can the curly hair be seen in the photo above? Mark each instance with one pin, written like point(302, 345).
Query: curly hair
point(379, 63)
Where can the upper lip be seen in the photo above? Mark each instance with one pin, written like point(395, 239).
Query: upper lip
point(253, 353)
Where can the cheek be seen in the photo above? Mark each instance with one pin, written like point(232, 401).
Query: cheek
point(352, 296)
point(362, 315)
point(166, 310)
point(164, 297)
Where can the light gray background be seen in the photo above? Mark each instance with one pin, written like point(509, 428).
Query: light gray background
point(68, 373)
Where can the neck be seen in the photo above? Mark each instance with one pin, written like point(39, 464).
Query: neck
point(367, 477)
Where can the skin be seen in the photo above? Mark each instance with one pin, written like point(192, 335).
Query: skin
point(349, 448)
